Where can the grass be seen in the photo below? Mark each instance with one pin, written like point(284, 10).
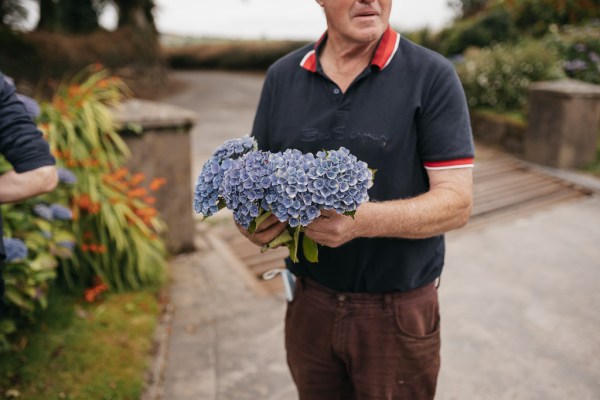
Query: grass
point(513, 117)
point(96, 351)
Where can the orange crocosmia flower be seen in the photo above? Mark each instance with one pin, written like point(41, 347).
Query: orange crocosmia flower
point(138, 192)
point(157, 183)
point(147, 212)
point(87, 235)
point(102, 249)
point(137, 179)
point(150, 200)
point(120, 173)
point(73, 90)
point(94, 208)
point(91, 293)
point(84, 201)
point(84, 247)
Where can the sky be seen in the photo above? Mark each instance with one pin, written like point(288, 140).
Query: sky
point(279, 19)
point(268, 19)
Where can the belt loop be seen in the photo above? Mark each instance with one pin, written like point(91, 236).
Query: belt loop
point(387, 301)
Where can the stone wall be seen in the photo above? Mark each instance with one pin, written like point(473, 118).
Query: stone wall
point(564, 123)
point(160, 147)
point(498, 130)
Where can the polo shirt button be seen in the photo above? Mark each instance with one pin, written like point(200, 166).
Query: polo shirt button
point(336, 91)
point(341, 297)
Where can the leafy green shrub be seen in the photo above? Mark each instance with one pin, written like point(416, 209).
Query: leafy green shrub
point(113, 239)
point(231, 55)
point(41, 230)
point(480, 31)
point(579, 48)
point(499, 77)
point(536, 16)
point(117, 227)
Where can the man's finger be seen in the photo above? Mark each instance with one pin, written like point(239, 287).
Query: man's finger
point(267, 223)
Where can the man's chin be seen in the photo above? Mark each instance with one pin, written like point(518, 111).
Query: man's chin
point(369, 33)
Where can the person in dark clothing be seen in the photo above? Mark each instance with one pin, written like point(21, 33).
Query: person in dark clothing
point(22, 145)
point(364, 321)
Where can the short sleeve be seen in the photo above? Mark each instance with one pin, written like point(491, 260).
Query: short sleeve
point(445, 139)
point(21, 143)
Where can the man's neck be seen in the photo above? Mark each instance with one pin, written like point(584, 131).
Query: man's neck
point(342, 61)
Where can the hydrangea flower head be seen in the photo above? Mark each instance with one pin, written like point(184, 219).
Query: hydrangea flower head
point(61, 212)
point(16, 249)
point(245, 185)
point(235, 148)
point(207, 189)
point(339, 181)
point(66, 176)
point(43, 211)
point(290, 199)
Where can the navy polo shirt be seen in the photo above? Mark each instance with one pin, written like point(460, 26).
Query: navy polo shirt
point(404, 114)
point(21, 143)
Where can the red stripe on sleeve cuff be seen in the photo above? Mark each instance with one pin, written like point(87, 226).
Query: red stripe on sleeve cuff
point(449, 164)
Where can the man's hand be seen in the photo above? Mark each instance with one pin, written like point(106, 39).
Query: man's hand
point(265, 232)
point(332, 229)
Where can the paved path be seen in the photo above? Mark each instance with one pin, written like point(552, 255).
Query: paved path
point(519, 298)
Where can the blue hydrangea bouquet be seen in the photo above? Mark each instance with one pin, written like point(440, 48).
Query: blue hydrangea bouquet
point(293, 186)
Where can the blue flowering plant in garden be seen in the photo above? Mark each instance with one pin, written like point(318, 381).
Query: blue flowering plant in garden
point(293, 186)
point(37, 235)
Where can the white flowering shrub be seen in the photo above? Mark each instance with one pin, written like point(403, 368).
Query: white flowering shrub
point(499, 77)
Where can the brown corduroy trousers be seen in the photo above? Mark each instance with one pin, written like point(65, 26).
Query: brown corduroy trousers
point(355, 346)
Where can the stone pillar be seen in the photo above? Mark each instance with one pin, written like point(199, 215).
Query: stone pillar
point(564, 123)
point(161, 147)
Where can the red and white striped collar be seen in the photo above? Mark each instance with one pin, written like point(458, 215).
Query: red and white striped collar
point(386, 48)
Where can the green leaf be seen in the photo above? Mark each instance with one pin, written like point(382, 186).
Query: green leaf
point(350, 214)
point(45, 226)
point(7, 326)
point(43, 261)
point(35, 240)
point(283, 238)
point(64, 236)
point(260, 219)
point(310, 249)
point(16, 297)
point(294, 250)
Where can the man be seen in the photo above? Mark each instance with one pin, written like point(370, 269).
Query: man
point(21, 143)
point(364, 323)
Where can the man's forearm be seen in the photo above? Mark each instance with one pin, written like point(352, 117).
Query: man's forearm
point(424, 216)
point(16, 187)
point(445, 207)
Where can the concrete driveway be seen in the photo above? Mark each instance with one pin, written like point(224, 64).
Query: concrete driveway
point(520, 299)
